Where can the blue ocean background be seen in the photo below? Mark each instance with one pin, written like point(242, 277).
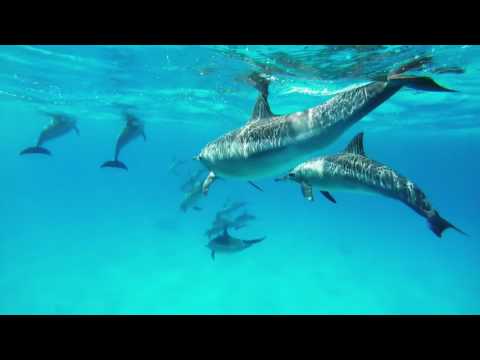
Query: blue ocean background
point(80, 239)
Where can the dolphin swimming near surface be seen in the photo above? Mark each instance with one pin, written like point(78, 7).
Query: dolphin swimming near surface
point(353, 170)
point(132, 130)
point(60, 125)
point(228, 244)
point(268, 144)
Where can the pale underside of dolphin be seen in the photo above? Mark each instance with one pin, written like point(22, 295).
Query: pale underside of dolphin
point(353, 171)
point(269, 145)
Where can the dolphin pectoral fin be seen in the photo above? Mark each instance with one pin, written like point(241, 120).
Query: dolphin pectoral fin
point(212, 254)
point(254, 241)
point(36, 150)
point(144, 136)
point(208, 182)
point(255, 186)
point(329, 196)
point(76, 130)
point(307, 191)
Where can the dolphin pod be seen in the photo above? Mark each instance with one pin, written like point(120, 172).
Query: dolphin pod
point(270, 145)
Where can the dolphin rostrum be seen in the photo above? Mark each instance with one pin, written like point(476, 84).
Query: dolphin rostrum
point(224, 243)
point(268, 144)
point(352, 170)
point(60, 125)
point(132, 130)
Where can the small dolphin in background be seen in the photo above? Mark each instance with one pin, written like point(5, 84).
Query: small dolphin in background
point(132, 130)
point(241, 220)
point(192, 180)
point(352, 170)
point(227, 244)
point(192, 198)
point(220, 223)
point(60, 125)
point(175, 165)
point(231, 208)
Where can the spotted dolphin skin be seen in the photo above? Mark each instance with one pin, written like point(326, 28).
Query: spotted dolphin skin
point(227, 244)
point(133, 129)
point(60, 125)
point(269, 145)
point(352, 170)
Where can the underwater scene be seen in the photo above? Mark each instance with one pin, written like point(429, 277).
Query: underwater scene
point(208, 179)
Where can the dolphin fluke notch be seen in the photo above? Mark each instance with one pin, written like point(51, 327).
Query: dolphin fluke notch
point(115, 164)
point(36, 150)
point(438, 225)
point(418, 82)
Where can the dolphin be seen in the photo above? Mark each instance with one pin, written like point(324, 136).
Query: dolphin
point(229, 209)
point(222, 223)
point(192, 197)
point(353, 170)
point(132, 130)
point(226, 244)
point(60, 125)
point(269, 145)
point(192, 180)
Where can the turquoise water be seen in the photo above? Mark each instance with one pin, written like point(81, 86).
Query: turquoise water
point(80, 239)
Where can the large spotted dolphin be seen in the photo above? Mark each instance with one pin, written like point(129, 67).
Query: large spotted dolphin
point(352, 170)
point(61, 124)
point(269, 145)
point(133, 129)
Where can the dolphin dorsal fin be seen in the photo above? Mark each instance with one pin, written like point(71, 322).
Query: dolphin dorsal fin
point(261, 109)
point(356, 145)
point(225, 232)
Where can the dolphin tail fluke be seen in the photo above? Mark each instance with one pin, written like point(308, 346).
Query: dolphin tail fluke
point(255, 241)
point(418, 82)
point(36, 150)
point(115, 164)
point(438, 225)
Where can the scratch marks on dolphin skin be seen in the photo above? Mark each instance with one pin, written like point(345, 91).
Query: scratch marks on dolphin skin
point(343, 106)
point(255, 137)
point(377, 176)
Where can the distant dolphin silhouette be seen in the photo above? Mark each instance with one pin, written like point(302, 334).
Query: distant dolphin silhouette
point(227, 244)
point(60, 125)
point(132, 130)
